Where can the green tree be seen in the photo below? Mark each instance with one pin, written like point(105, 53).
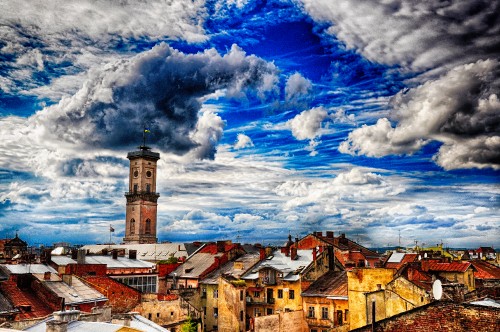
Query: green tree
point(189, 325)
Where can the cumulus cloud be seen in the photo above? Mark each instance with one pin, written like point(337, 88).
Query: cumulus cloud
point(460, 109)
point(414, 35)
point(243, 141)
point(297, 87)
point(307, 125)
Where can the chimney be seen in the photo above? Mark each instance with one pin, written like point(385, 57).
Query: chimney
point(262, 253)
point(132, 254)
point(46, 276)
point(329, 234)
point(104, 251)
point(318, 233)
point(67, 279)
point(269, 251)
point(80, 256)
point(293, 254)
point(74, 254)
point(115, 254)
point(331, 258)
point(220, 246)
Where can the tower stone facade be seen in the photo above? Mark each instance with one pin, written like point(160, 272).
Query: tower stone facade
point(142, 198)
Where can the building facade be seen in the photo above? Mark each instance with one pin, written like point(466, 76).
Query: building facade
point(142, 198)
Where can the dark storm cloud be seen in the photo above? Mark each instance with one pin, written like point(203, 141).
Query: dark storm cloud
point(160, 89)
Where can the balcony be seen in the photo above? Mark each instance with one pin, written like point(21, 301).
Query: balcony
point(133, 196)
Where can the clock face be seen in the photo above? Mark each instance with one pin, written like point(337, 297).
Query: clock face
point(136, 173)
point(148, 174)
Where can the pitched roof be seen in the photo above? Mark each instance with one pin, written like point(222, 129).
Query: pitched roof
point(232, 268)
point(109, 261)
point(20, 299)
point(27, 268)
point(332, 283)
point(397, 259)
point(291, 268)
point(195, 266)
point(77, 292)
point(430, 265)
point(485, 270)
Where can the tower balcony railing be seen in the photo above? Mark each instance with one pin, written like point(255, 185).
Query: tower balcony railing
point(141, 194)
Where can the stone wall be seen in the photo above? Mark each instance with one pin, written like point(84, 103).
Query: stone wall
point(442, 317)
point(282, 322)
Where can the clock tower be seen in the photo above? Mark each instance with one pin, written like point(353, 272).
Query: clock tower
point(140, 223)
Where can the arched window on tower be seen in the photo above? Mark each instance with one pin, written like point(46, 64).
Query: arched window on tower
point(148, 188)
point(132, 226)
point(148, 227)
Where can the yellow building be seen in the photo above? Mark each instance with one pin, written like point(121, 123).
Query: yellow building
point(362, 281)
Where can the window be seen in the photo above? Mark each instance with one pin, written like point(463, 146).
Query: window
point(324, 313)
point(216, 293)
point(241, 295)
point(256, 294)
point(148, 187)
point(136, 187)
point(216, 312)
point(269, 311)
point(291, 294)
point(157, 315)
point(148, 227)
point(148, 174)
point(280, 293)
point(203, 293)
point(256, 312)
point(241, 315)
point(310, 312)
point(345, 315)
point(132, 226)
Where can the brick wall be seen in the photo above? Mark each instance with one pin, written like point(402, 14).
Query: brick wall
point(442, 317)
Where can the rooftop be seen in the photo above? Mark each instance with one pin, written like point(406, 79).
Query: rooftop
point(147, 252)
point(332, 283)
point(27, 268)
point(109, 261)
point(77, 292)
point(291, 268)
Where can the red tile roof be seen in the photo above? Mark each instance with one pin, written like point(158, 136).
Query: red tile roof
point(445, 267)
point(485, 270)
point(24, 299)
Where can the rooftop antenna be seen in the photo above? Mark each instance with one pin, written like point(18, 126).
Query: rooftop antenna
point(399, 232)
point(144, 132)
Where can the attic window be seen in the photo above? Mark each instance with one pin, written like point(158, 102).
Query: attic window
point(270, 257)
point(188, 270)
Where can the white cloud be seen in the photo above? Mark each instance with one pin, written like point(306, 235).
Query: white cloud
point(460, 109)
point(243, 141)
point(297, 86)
point(414, 35)
point(307, 125)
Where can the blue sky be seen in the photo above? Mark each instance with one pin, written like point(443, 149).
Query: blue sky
point(370, 118)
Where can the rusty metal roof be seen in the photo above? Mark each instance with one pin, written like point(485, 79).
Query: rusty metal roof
point(332, 283)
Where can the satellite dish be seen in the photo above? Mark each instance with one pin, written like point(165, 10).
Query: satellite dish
point(437, 289)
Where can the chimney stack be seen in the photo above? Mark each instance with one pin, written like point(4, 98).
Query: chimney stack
point(80, 256)
point(74, 254)
point(293, 254)
point(46, 276)
point(132, 254)
point(262, 253)
point(329, 234)
point(220, 246)
point(115, 254)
